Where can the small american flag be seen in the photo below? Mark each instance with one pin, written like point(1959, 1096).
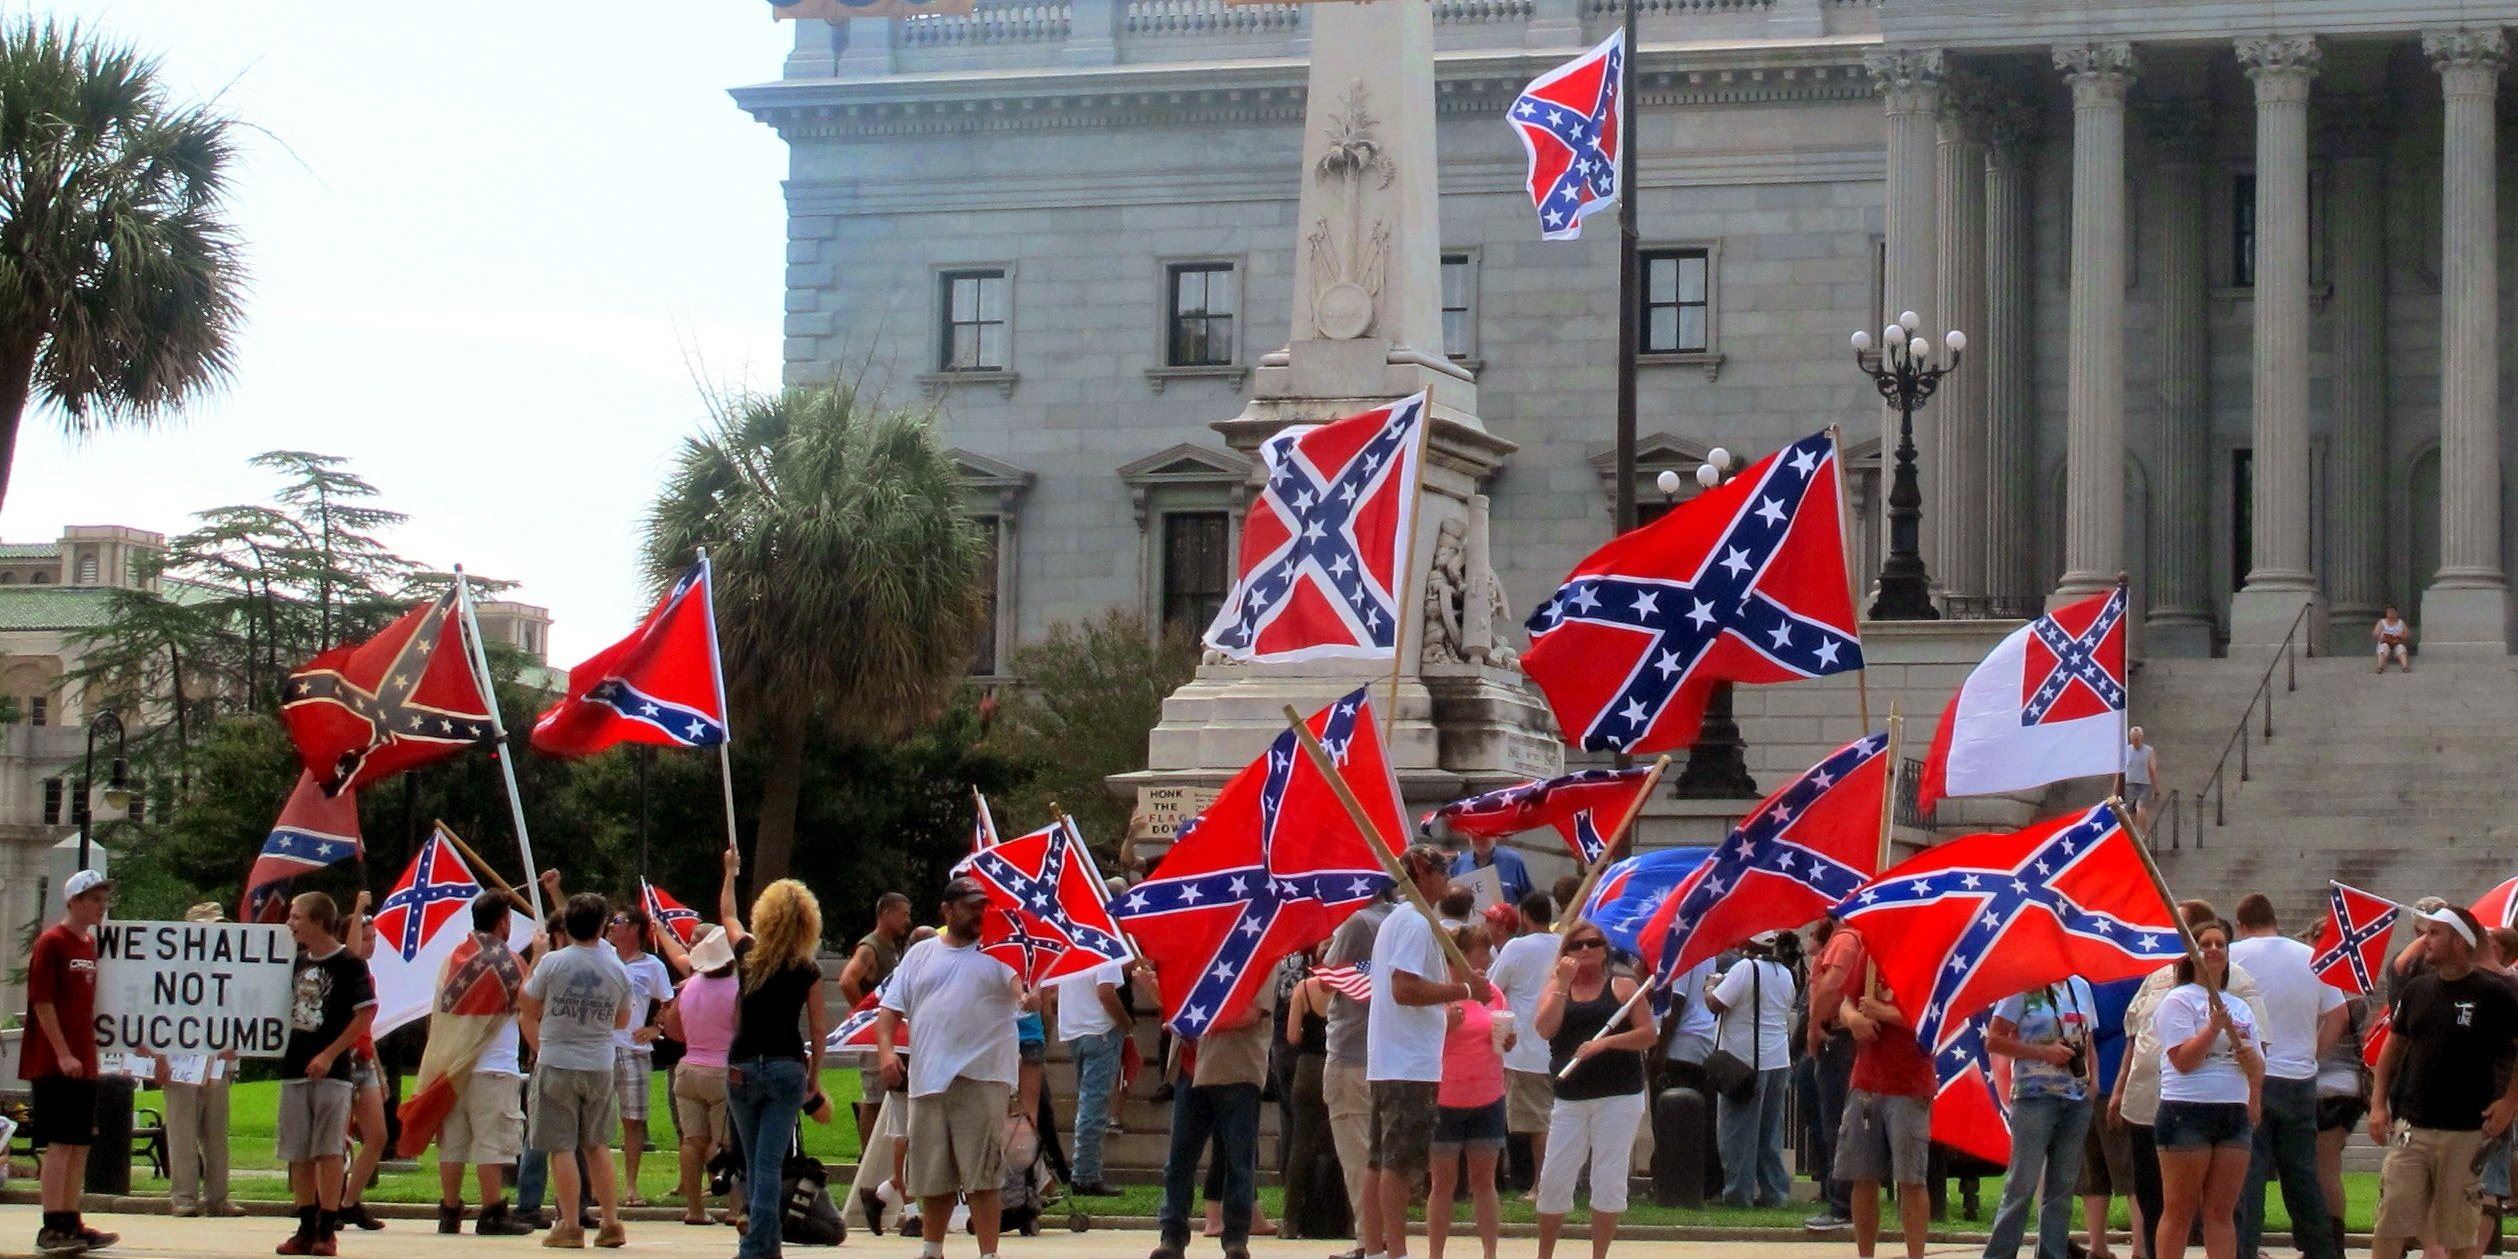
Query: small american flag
point(1353, 981)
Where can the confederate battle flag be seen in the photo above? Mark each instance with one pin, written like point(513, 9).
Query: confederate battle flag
point(661, 685)
point(362, 712)
point(1571, 124)
point(313, 831)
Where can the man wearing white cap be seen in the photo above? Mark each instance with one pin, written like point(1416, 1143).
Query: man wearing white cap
point(2436, 1097)
point(58, 1060)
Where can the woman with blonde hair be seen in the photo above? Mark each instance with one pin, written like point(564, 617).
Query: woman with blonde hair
point(772, 1066)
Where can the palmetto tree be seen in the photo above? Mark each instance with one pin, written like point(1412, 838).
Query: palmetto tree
point(119, 276)
point(849, 589)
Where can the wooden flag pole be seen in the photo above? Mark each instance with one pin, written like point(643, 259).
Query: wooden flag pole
point(487, 870)
point(1853, 583)
point(1888, 827)
point(1407, 571)
point(2400, 906)
point(717, 669)
point(2124, 715)
point(1372, 836)
point(1609, 846)
point(478, 656)
point(2159, 884)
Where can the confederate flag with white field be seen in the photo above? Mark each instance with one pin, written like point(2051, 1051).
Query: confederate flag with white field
point(2047, 705)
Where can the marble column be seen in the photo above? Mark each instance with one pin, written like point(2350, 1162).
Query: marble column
point(2094, 407)
point(1909, 82)
point(2356, 550)
point(1957, 417)
point(2180, 623)
point(2465, 610)
point(2278, 581)
point(2004, 354)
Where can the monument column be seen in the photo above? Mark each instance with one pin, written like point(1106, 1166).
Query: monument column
point(1959, 414)
point(2278, 580)
point(2004, 350)
point(2094, 407)
point(2180, 623)
point(2465, 609)
point(1909, 83)
point(2356, 577)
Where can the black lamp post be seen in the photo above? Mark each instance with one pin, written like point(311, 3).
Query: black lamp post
point(117, 794)
point(1717, 763)
point(1906, 378)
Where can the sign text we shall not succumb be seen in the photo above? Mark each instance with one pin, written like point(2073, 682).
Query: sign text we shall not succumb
point(193, 987)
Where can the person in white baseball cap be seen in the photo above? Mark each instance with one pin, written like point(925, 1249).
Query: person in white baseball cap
point(58, 1060)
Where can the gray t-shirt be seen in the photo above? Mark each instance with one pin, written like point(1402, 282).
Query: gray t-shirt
point(583, 989)
point(1352, 943)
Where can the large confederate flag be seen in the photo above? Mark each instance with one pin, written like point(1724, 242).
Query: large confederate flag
point(362, 712)
point(659, 686)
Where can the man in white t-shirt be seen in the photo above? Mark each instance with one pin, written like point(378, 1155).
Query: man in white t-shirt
point(2303, 1017)
point(1521, 972)
point(963, 1003)
point(1403, 1052)
point(1093, 1021)
point(633, 1047)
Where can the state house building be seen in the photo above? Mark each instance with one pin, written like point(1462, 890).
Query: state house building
point(2230, 275)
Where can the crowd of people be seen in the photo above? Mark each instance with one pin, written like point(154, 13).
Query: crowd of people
point(1494, 1053)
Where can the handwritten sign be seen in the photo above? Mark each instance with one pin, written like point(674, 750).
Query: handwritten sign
point(1160, 811)
point(193, 988)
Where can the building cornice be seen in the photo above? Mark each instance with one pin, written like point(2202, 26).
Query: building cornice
point(1266, 90)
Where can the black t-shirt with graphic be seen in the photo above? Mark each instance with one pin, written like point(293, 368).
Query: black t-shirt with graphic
point(2458, 1035)
point(330, 992)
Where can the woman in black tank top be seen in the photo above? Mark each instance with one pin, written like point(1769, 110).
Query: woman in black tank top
point(1599, 1085)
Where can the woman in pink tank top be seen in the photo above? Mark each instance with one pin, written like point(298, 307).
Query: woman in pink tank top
point(1469, 1114)
point(702, 1018)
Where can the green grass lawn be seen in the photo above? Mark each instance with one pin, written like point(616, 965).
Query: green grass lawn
point(253, 1110)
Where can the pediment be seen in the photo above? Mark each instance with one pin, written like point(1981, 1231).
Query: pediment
point(980, 472)
point(1186, 464)
point(1655, 451)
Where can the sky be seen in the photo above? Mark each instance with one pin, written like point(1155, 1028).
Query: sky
point(498, 256)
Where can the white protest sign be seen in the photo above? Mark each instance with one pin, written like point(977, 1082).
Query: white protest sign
point(193, 987)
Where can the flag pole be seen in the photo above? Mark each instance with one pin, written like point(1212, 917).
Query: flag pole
point(1372, 834)
point(1609, 846)
point(487, 870)
point(1888, 830)
point(717, 669)
point(477, 654)
point(1629, 291)
point(2159, 884)
point(1407, 571)
point(1844, 535)
point(2124, 715)
point(2400, 905)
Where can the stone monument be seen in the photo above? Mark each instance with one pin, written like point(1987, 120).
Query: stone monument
point(1367, 328)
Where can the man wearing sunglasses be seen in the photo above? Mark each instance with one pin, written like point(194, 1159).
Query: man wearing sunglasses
point(633, 1047)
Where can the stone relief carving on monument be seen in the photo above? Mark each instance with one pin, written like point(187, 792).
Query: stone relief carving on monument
point(1462, 603)
point(1347, 275)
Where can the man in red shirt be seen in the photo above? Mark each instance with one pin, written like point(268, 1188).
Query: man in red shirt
point(1886, 1134)
point(58, 1061)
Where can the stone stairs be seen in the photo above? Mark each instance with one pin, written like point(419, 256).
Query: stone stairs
point(2406, 785)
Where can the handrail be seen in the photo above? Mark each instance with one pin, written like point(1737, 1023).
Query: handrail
point(2216, 786)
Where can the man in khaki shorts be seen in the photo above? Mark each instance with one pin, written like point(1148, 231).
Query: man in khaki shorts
point(575, 1000)
point(2436, 1096)
point(963, 1003)
point(1522, 967)
point(473, 1043)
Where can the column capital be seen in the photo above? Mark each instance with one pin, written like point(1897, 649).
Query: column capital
point(2099, 72)
point(2180, 130)
point(1910, 79)
point(2281, 65)
point(2483, 49)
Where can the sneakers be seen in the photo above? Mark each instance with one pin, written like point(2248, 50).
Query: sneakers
point(450, 1217)
point(1825, 1222)
point(497, 1221)
point(183, 1210)
point(565, 1235)
point(299, 1243)
point(323, 1248)
point(56, 1241)
point(612, 1236)
point(1091, 1189)
point(871, 1203)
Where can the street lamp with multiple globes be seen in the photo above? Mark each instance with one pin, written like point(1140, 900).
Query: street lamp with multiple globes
point(1906, 378)
point(1717, 763)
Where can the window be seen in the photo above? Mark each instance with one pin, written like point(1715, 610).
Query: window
point(52, 801)
point(983, 661)
point(87, 569)
point(1676, 307)
point(1460, 317)
point(974, 328)
point(1200, 331)
point(38, 709)
point(39, 578)
point(1197, 570)
point(8, 579)
point(2242, 231)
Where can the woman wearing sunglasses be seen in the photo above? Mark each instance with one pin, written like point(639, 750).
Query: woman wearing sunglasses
point(1600, 1100)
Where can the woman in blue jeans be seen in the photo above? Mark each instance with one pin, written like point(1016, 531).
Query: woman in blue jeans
point(773, 1065)
point(2047, 1034)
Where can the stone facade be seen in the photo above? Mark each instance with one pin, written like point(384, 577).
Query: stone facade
point(2206, 254)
